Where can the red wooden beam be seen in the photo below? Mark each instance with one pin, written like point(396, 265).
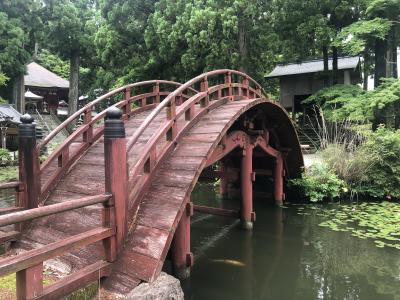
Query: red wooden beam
point(216, 211)
point(34, 213)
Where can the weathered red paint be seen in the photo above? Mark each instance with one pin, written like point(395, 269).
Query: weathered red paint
point(246, 186)
point(182, 258)
point(116, 177)
point(278, 180)
point(223, 181)
point(30, 282)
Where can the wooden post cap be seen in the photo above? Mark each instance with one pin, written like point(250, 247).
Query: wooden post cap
point(27, 128)
point(114, 125)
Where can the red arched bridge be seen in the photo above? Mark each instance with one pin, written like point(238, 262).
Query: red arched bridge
point(114, 198)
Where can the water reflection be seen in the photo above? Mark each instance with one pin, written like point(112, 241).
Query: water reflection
point(286, 256)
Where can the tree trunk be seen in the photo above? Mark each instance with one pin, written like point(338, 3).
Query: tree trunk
point(380, 62)
point(73, 83)
point(18, 93)
point(326, 66)
point(393, 52)
point(335, 71)
point(366, 69)
point(243, 51)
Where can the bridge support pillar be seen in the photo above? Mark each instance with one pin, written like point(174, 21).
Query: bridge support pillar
point(278, 180)
point(116, 178)
point(246, 173)
point(182, 258)
point(29, 162)
point(223, 181)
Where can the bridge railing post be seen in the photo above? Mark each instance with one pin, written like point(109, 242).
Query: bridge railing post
point(29, 166)
point(116, 180)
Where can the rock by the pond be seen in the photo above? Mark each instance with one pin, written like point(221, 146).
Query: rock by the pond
point(164, 287)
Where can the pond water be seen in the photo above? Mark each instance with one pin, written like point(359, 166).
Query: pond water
point(286, 256)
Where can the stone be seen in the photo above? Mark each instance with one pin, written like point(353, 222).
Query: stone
point(165, 287)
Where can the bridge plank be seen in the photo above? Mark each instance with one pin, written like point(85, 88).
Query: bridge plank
point(148, 241)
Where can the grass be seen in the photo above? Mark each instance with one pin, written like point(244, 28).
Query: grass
point(8, 174)
point(8, 288)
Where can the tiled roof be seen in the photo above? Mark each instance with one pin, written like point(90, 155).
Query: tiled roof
point(41, 77)
point(313, 66)
point(9, 113)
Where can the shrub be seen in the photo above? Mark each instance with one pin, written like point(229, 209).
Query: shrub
point(381, 152)
point(320, 182)
point(371, 169)
point(5, 157)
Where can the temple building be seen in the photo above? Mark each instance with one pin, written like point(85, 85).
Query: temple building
point(300, 80)
point(43, 89)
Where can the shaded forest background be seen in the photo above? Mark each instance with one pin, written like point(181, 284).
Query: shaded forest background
point(102, 44)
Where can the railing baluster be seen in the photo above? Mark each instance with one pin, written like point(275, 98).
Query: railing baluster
point(204, 88)
point(88, 134)
point(171, 113)
point(245, 82)
point(29, 161)
point(228, 81)
point(156, 90)
point(189, 113)
point(127, 106)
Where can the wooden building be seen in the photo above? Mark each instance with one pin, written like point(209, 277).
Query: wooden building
point(9, 120)
point(49, 87)
point(300, 80)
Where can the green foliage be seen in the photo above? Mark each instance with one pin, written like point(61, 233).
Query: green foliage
point(355, 38)
point(8, 174)
point(319, 182)
point(5, 156)
point(382, 178)
point(371, 169)
point(349, 102)
point(3, 79)
point(20, 26)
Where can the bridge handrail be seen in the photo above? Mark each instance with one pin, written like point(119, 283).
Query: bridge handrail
point(10, 185)
point(91, 104)
point(167, 101)
point(43, 211)
point(90, 133)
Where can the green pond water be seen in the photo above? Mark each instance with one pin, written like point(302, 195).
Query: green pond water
point(288, 255)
